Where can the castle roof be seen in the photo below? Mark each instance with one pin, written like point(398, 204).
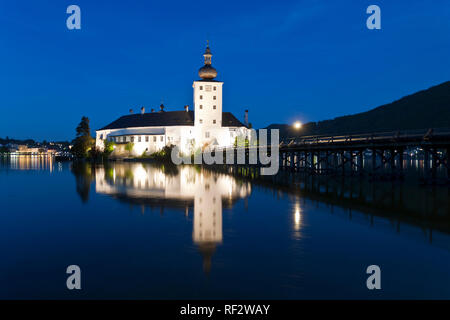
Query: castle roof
point(165, 119)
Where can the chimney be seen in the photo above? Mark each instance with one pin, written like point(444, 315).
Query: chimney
point(131, 111)
point(186, 108)
point(161, 107)
point(246, 118)
point(152, 110)
point(142, 110)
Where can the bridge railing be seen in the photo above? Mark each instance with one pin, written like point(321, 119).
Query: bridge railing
point(422, 134)
point(367, 137)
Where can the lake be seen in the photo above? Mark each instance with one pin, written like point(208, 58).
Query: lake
point(143, 231)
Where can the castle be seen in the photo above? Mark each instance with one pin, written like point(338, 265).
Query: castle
point(207, 127)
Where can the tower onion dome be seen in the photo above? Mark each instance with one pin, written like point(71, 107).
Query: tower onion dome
point(207, 72)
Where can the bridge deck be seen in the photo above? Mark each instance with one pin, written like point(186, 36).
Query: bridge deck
point(347, 154)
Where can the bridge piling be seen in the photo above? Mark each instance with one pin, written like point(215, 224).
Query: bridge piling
point(347, 155)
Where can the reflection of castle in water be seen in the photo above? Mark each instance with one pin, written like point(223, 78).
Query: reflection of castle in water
point(208, 192)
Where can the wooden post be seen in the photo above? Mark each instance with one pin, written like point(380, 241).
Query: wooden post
point(374, 161)
point(400, 165)
point(426, 164)
point(434, 164)
point(447, 162)
point(335, 161)
point(292, 162)
point(360, 161)
point(392, 163)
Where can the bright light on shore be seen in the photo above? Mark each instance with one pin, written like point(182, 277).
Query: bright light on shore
point(297, 124)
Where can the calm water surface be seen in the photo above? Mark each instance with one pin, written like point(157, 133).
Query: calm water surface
point(143, 231)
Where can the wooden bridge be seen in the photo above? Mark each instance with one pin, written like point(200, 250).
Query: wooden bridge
point(377, 154)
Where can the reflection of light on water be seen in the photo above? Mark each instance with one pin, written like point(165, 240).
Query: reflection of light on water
point(152, 186)
point(139, 173)
point(31, 162)
point(297, 217)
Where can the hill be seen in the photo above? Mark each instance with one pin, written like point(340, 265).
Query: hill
point(424, 109)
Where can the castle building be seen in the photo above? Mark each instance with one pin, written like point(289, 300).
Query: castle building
point(206, 127)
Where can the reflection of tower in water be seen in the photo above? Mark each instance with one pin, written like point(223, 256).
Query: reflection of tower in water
point(207, 231)
point(151, 186)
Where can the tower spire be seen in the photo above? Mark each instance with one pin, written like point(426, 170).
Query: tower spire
point(207, 71)
point(207, 54)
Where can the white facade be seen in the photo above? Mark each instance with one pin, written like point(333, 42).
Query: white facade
point(206, 133)
point(208, 103)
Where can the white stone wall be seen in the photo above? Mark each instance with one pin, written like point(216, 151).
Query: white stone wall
point(208, 111)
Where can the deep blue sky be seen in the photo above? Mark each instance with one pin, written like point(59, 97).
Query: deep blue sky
point(283, 60)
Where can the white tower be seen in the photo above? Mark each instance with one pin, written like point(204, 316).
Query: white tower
point(207, 102)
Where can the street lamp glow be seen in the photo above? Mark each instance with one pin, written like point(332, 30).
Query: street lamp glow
point(297, 124)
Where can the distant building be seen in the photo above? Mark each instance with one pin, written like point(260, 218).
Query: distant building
point(206, 127)
point(24, 149)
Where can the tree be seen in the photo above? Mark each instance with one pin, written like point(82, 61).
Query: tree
point(83, 141)
point(108, 147)
point(83, 128)
point(129, 147)
point(163, 155)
